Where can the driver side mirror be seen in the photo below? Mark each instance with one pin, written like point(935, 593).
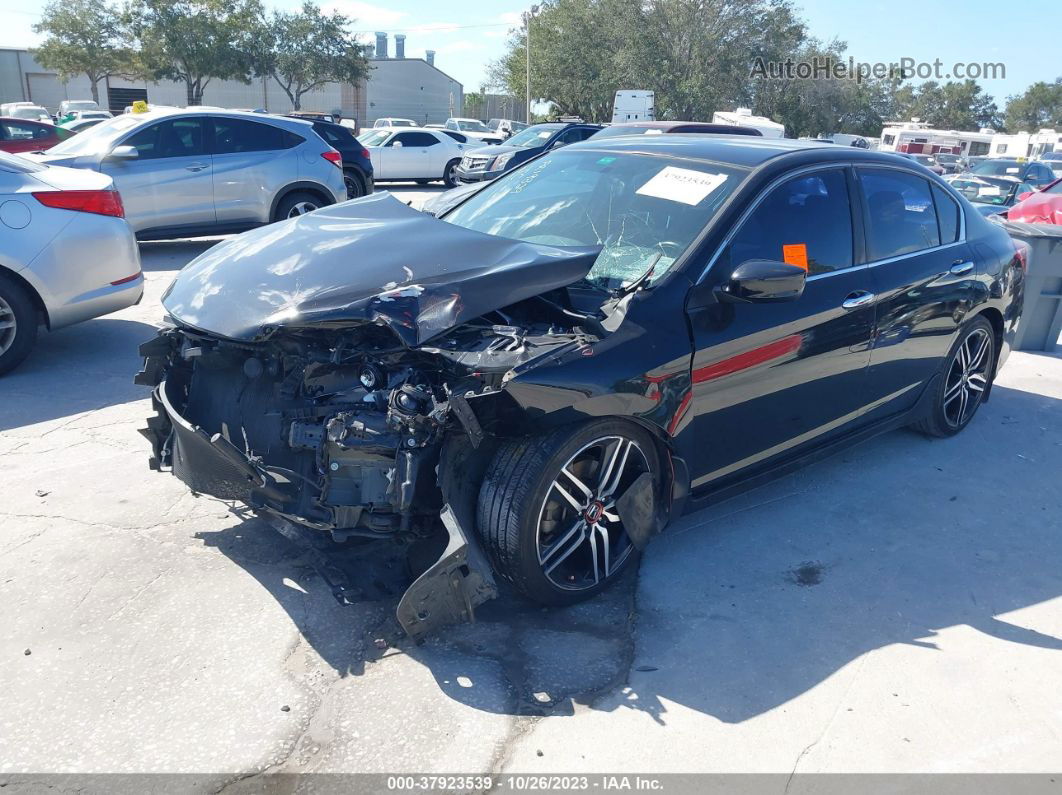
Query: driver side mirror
point(124, 153)
point(396, 144)
point(763, 281)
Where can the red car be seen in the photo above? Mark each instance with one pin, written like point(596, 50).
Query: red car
point(23, 135)
point(1041, 207)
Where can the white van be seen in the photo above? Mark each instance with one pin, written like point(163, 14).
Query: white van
point(633, 106)
point(25, 110)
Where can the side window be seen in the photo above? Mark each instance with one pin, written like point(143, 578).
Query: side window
point(14, 131)
point(451, 125)
point(417, 139)
point(806, 220)
point(232, 136)
point(571, 136)
point(900, 215)
point(947, 215)
point(175, 138)
point(586, 132)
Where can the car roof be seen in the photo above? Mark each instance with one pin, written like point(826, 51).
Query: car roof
point(740, 150)
point(205, 110)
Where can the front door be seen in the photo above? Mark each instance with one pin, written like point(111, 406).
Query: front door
point(169, 183)
point(769, 380)
point(408, 156)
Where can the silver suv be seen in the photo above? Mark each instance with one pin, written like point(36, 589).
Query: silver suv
point(204, 171)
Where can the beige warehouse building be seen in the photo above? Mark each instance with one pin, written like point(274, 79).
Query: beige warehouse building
point(412, 88)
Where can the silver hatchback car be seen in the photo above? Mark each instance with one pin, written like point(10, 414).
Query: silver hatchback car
point(66, 252)
point(204, 171)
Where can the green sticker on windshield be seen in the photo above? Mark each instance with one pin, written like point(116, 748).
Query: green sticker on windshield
point(604, 161)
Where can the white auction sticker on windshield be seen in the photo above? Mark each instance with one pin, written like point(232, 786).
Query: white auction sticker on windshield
point(990, 190)
point(681, 185)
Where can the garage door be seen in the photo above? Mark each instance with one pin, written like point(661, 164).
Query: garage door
point(45, 89)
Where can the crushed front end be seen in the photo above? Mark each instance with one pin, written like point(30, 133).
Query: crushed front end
point(346, 432)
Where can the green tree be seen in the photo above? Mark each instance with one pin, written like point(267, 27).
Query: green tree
point(581, 53)
point(951, 106)
point(194, 41)
point(306, 49)
point(85, 37)
point(1040, 106)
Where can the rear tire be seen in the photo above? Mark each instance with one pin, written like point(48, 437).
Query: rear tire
point(450, 174)
point(298, 203)
point(355, 184)
point(967, 376)
point(18, 324)
point(546, 510)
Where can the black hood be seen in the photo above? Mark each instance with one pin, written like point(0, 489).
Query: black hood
point(372, 260)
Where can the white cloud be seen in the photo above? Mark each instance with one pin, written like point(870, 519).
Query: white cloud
point(512, 18)
point(367, 15)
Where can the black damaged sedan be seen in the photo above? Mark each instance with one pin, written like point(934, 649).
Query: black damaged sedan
point(613, 334)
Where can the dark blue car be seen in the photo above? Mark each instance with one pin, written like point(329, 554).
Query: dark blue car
point(489, 162)
point(357, 167)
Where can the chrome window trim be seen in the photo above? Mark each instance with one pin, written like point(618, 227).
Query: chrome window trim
point(833, 167)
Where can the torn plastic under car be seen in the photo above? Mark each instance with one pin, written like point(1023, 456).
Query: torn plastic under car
point(328, 393)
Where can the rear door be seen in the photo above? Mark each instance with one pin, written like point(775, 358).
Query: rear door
point(169, 183)
point(769, 380)
point(923, 279)
point(251, 161)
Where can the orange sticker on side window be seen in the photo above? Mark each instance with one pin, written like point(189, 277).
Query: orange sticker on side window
point(795, 254)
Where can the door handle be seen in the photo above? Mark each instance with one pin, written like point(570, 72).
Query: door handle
point(195, 167)
point(857, 299)
point(960, 267)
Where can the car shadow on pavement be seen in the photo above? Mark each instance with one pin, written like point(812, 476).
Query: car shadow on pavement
point(172, 255)
point(746, 605)
point(73, 370)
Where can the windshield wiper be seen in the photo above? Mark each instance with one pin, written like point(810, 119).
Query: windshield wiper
point(640, 281)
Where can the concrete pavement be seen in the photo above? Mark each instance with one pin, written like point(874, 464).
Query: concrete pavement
point(895, 608)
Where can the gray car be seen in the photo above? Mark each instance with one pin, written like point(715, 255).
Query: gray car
point(66, 252)
point(200, 171)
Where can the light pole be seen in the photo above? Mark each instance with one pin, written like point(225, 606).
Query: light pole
point(527, 53)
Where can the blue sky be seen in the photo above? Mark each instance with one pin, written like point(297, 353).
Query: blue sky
point(467, 36)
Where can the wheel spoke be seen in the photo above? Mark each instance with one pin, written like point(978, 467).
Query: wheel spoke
point(975, 360)
point(977, 382)
point(606, 551)
point(567, 496)
point(961, 356)
point(578, 484)
point(614, 471)
point(572, 540)
point(963, 400)
point(953, 392)
point(593, 556)
point(5, 324)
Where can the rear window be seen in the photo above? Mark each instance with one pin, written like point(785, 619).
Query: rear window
point(947, 215)
point(335, 136)
point(233, 136)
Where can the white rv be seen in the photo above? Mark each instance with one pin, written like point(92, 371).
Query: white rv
point(743, 117)
point(633, 106)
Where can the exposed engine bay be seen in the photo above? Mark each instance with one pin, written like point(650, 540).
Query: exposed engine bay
point(326, 396)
